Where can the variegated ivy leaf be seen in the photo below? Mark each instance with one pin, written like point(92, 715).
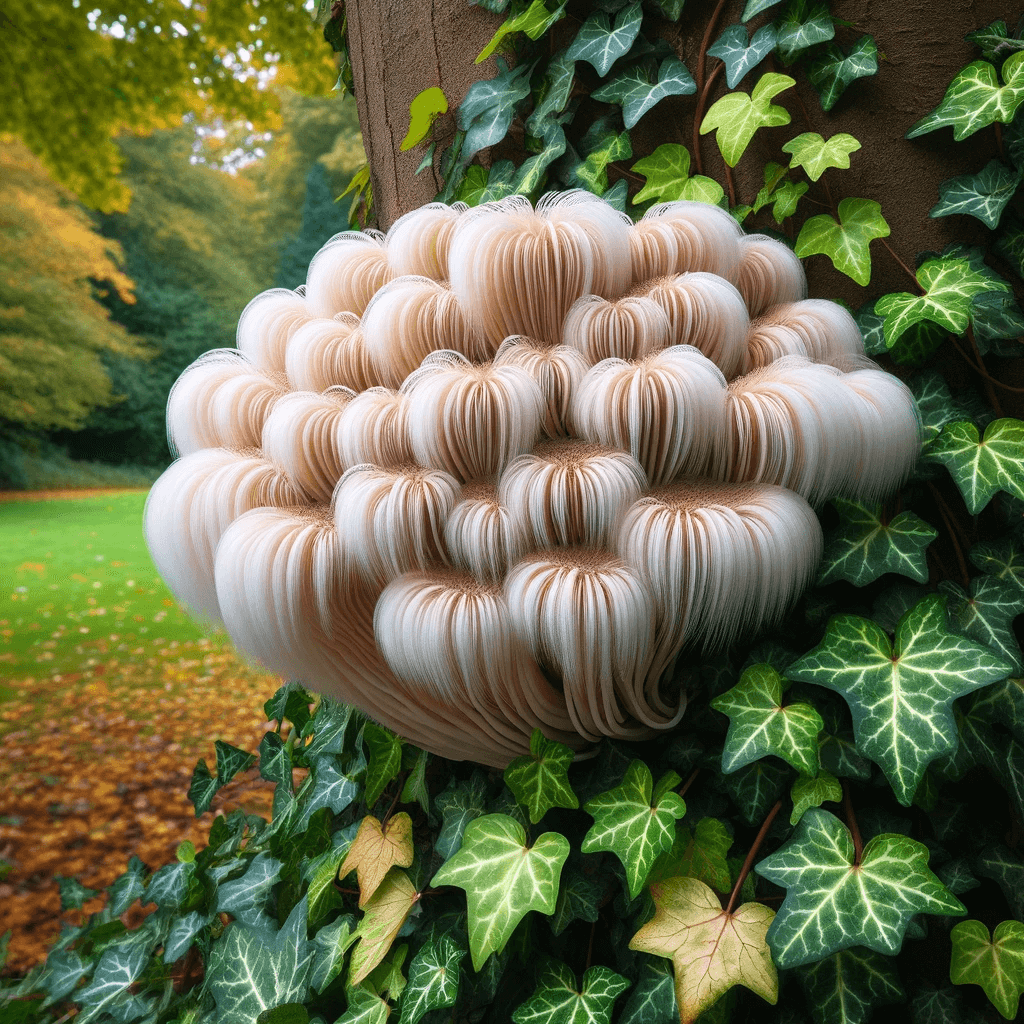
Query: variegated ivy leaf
point(118, 967)
point(983, 195)
point(811, 152)
point(900, 694)
point(579, 897)
point(592, 173)
point(64, 969)
point(128, 887)
point(832, 71)
point(995, 962)
point(740, 54)
point(245, 897)
point(987, 614)
point(653, 998)
point(808, 792)
point(736, 116)
point(640, 87)
point(1006, 869)
point(805, 24)
point(847, 986)
point(759, 723)
point(325, 786)
point(711, 950)
point(558, 999)
point(982, 466)
point(383, 916)
point(834, 903)
point(331, 941)
point(504, 879)
point(252, 968)
point(600, 44)
point(845, 242)
point(385, 750)
point(701, 853)
point(1003, 560)
point(539, 780)
point(635, 821)
point(364, 1007)
point(434, 976)
point(865, 547)
point(755, 7)
point(934, 401)
point(975, 99)
point(994, 41)
point(486, 113)
point(756, 787)
point(376, 849)
point(458, 805)
point(533, 22)
point(949, 283)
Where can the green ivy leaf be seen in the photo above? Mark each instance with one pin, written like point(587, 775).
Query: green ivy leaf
point(737, 116)
point(785, 199)
point(832, 71)
point(486, 113)
point(253, 968)
point(168, 888)
point(504, 879)
point(994, 41)
point(592, 172)
point(934, 402)
point(833, 903)
point(1006, 869)
point(434, 976)
point(540, 779)
point(847, 986)
point(290, 702)
point(558, 999)
point(332, 941)
point(127, 888)
point(628, 824)
point(755, 7)
point(900, 695)
point(983, 195)
point(975, 99)
point(987, 614)
point(534, 21)
point(760, 725)
point(640, 87)
point(364, 1007)
point(275, 759)
point(864, 547)
point(995, 962)
point(458, 805)
point(329, 725)
point(600, 45)
point(182, 933)
point(424, 110)
point(811, 152)
point(653, 999)
point(666, 170)
point(755, 788)
point(739, 54)
point(813, 791)
point(702, 853)
point(385, 750)
point(837, 751)
point(805, 24)
point(982, 466)
point(846, 241)
point(245, 897)
point(1003, 560)
point(117, 968)
point(481, 184)
point(325, 786)
point(956, 876)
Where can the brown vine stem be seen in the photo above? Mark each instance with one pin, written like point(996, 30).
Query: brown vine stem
point(851, 821)
point(947, 519)
point(749, 862)
point(698, 116)
point(689, 782)
point(983, 372)
point(706, 42)
point(909, 272)
point(979, 364)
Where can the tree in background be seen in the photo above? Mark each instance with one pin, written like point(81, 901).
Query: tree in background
point(322, 217)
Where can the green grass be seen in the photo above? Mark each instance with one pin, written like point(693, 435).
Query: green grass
point(79, 588)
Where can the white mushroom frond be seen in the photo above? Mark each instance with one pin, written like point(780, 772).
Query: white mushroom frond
point(666, 411)
point(346, 273)
point(481, 535)
point(684, 237)
point(769, 273)
point(628, 328)
point(419, 240)
point(373, 428)
point(220, 401)
point(707, 312)
point(471, 420)
point(570, 493)
point(822, 331)
point(327, 353)
point(267, 324)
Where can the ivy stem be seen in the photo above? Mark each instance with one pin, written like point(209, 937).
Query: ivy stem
point(698, 116)
point(851, 821)
point(909, 272)
point(689, 782)
point(979, 365)
point(749, 862)
point(398, 793)
point(706, 42)
point(730, 185)
point(947, 519)
point(590, 945)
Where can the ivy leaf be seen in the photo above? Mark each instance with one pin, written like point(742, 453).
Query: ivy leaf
point(865, 547)
point(332, 941)
point(846, 241)
point(639, 88)
point(755, 788)
point(169, 885)
point(832, 71)
point(534, 21)
point(458, 805)
point(486, 113)
point(847, 986)
point(740, 55)
point(434, 976)
point(785, 199)
point(900, 694)
point(628, 824)
point(290, 702)
point(808, 792)
point(1003, 560)
point(384, 914)
point(253, 968)
point(127, 888)
point(983, 195)
point(539, 780)
point(117, 967)
point(504, 879)
point(64, 969)
point(802, 26)
point(702, 853)
point(653, 999)
point(1006, 869)
point(833, 903)
point(557, 998)
point(376, 849)
point(987, 615)
point(737, 116)
point(811, 152)
point(995, 962)
point(592, 172)
point(666, 171)
point(755, 7)
point(364, 1007)
point(982, 466)
point(760, 725)
point(710, 949)
point(934, 402)
point(600, 45)
point(329, 724)
point(385, 750)
point(325, 787)
point(424, 110)
point(245, 897)
point(975, 99)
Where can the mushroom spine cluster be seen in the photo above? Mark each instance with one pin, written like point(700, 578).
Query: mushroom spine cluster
point(496, 469)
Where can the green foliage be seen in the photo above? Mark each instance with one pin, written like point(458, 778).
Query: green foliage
point(739, 53)
point(539, 780)
point(811, 152)
point(558, 998)
point(995, 962)
point(982, 465)
point(845, 241)
point(983, 195)
point(833, 70)
point(737, 116)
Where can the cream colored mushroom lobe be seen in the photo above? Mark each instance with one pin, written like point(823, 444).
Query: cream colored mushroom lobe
point(498, 469)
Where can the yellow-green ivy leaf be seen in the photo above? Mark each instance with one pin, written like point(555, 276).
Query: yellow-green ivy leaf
point(534, 21)
point(808, 792)
point(737, 116)
point(846, 241)
point(995, 962)
point(811, 152)
point(424, 110)
point(383, 916)
point(982, 466)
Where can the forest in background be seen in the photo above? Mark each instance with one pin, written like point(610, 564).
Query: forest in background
point(100, 312)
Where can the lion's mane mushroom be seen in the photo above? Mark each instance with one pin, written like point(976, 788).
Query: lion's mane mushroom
point(497, 469)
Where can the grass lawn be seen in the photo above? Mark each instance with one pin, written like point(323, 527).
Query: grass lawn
point(109, 694)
